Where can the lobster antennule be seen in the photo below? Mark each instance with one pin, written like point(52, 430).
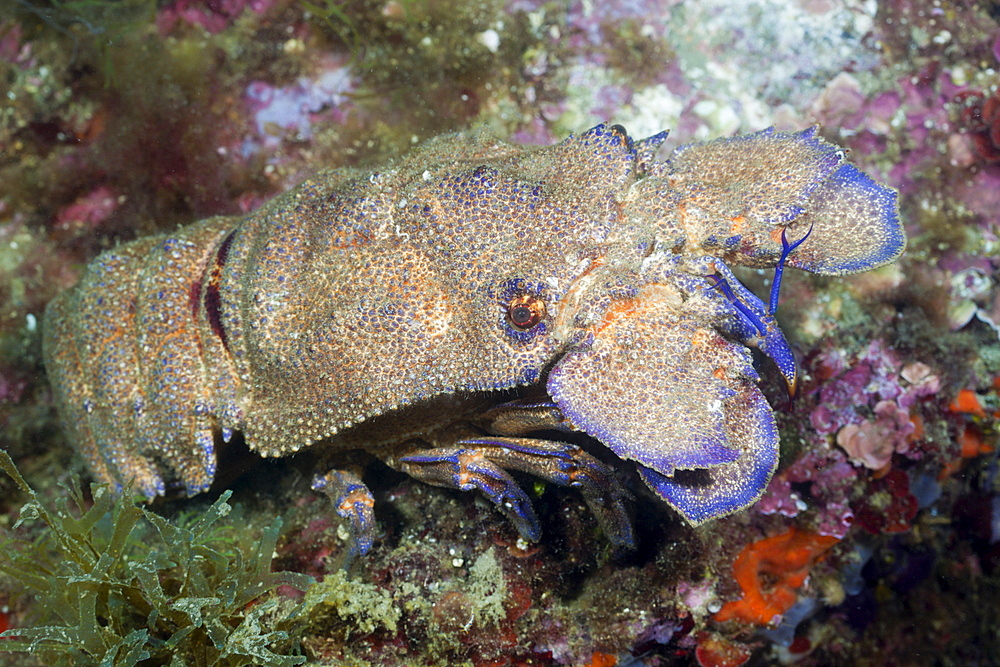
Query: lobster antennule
point(786, 250)
point(753, 326)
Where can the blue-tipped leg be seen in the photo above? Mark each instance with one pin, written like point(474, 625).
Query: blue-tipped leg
point(467, 469)
point(566, 464)
point(482, 464)
point(352, 501)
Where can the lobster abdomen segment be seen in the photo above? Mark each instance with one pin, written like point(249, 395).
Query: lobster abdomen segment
point(127, 352)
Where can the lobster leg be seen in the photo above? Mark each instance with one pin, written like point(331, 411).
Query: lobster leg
point(522, 417)
point(354, 502)
point(470, 468)
point(482, 463)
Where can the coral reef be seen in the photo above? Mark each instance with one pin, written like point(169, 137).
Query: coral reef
point(122, 119)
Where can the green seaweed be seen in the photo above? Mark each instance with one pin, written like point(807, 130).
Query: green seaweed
point(361, 606)
point(121, 585)
point(334, 18)
point(98, 26)
point(488, 589)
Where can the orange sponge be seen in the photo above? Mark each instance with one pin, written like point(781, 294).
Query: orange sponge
point(770, 572)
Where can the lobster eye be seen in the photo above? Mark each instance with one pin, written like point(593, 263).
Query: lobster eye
point(525, 311)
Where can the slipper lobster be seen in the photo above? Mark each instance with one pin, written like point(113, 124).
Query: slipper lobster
point(454, 311)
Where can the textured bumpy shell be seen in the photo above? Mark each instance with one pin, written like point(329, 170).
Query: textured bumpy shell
point(358, 294)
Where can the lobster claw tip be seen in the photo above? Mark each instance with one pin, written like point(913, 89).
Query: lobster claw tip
point(776, 348)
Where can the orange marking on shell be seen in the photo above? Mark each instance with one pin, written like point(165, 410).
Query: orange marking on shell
point(617, 311)
point(118, 333)
point(703, 337)
point(692, 231)
point(464, 460)
point(595, 264)
point(169, 337)
point(356, 241)
point(738, 225)
point(354, 498)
